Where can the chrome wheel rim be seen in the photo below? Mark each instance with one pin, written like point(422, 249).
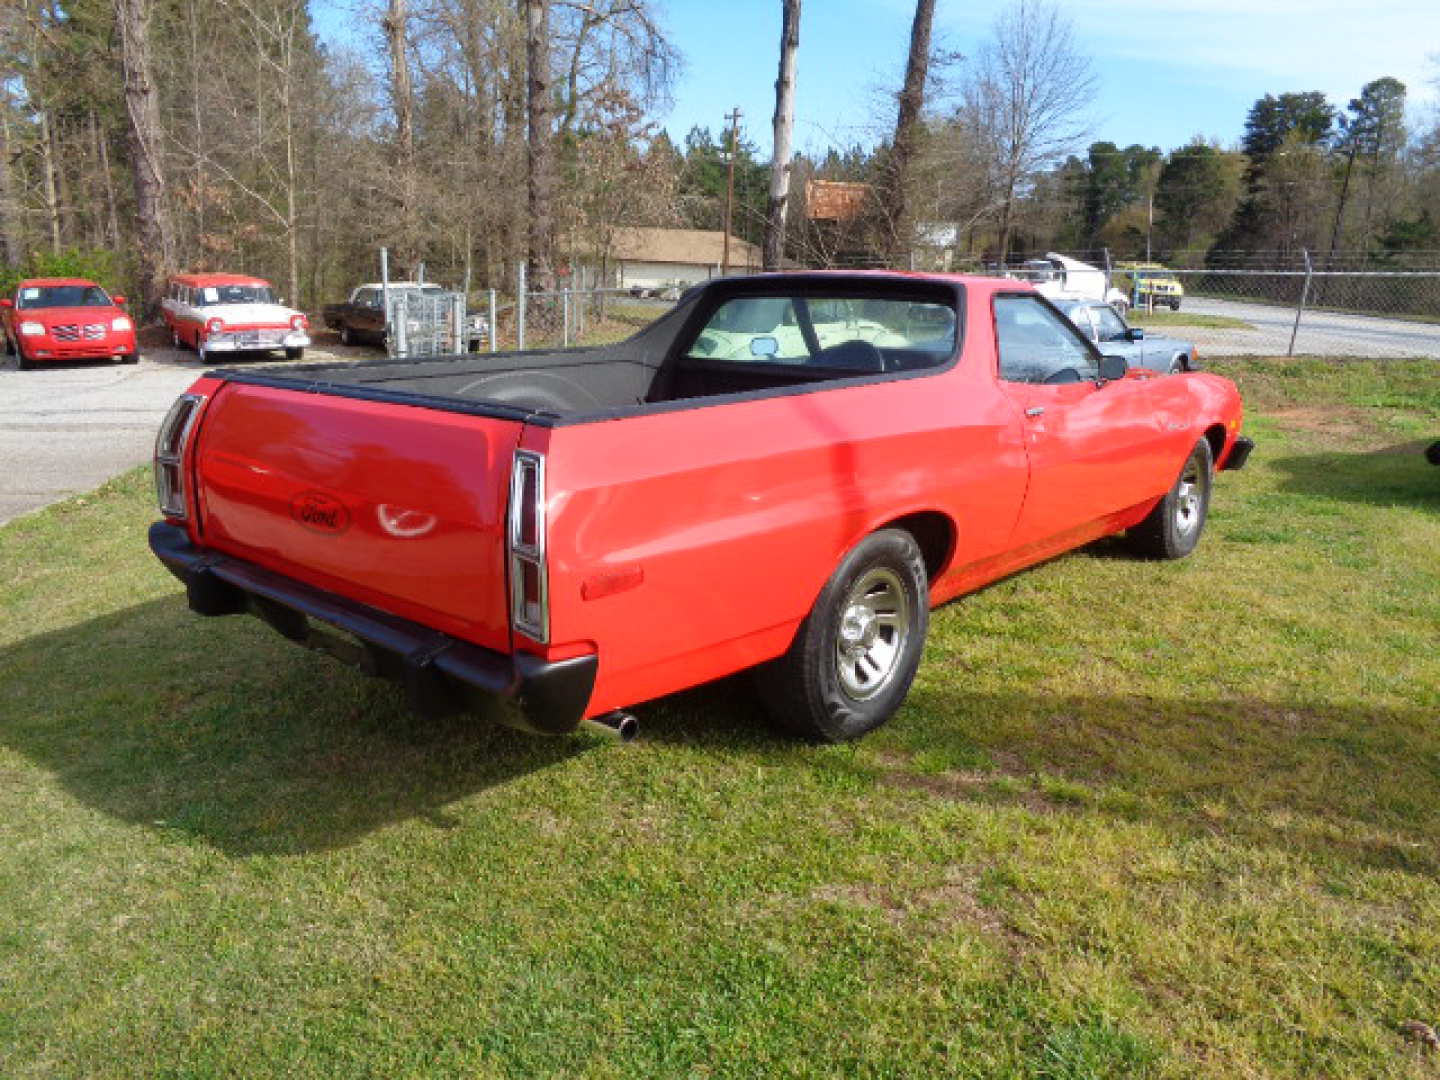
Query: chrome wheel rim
point(1189, 497)
point(873, 629)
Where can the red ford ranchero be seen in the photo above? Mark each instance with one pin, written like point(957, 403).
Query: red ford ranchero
point(785, 472)
point(59, 319)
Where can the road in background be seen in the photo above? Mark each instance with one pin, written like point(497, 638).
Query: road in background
point(1322, 333)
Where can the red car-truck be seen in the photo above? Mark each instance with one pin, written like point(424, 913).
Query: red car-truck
point(784, 472)
point(53, 320)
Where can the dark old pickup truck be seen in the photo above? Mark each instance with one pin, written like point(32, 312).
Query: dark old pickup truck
point(361, 319)
point(785, 472)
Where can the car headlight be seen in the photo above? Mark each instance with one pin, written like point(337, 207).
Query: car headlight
point(32, 329)
point(121, 322)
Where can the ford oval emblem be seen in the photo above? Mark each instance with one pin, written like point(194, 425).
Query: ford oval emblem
point(320, 513)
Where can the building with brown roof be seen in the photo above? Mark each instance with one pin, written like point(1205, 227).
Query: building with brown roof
point(648, 258)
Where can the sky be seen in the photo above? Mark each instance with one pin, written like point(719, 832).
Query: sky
point(1167, 70)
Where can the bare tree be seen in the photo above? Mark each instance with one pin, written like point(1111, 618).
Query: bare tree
point(907, 128)
point(1027, 93)
point(540, 144)
point(784, 132)
point(155, 249)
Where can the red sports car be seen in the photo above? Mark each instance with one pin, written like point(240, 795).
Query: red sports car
point(57, 319)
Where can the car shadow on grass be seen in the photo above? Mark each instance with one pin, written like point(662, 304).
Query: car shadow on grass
point(220, 729)
point(1397, 475)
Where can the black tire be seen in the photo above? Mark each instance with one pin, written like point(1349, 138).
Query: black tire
point(23, 362)
point(130, 358)
point(9, 345)
point(1174, 305)
point(1177, 365)
point(853, 660)
point(294, 354)
point(345, 335)
point(1173, 528)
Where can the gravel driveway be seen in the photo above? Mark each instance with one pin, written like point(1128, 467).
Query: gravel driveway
point(66, 428)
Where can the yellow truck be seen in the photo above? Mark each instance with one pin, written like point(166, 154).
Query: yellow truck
point(1148, 285)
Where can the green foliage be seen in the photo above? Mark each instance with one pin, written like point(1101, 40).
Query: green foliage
point(98, 265)
point(1274, 117)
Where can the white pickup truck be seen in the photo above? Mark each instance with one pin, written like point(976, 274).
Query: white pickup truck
point(1060, 277)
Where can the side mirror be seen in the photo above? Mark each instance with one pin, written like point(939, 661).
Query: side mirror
point(1134, 333)
point(764, 346)
point(119, 301)
point(1113, 367)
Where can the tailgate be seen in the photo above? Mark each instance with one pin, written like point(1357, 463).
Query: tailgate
point(397, 506)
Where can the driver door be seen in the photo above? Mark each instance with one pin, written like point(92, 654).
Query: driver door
point(1091, 445)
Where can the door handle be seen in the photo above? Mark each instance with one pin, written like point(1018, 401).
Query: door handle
point(1035, 410)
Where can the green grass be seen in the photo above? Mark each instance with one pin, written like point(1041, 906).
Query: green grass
point(1137, 819)
point(1141, 317)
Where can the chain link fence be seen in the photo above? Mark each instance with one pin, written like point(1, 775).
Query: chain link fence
point(1255, 305)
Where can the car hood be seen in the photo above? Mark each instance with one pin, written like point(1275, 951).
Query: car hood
point(249, 314)
point(51, 316)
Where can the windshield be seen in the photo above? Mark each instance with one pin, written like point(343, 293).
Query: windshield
point(55, 296)
point(234, 294)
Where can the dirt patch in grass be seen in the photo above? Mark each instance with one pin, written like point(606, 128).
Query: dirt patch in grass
point(1347, 424)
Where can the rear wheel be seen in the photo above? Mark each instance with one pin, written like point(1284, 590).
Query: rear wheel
point(856, 653)
point(1173, 528)
point(130, 358)
point(345, 336)
point(294, 354)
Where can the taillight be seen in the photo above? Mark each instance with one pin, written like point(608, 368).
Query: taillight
point(529, 587)
point(298, 322)
point(170, 454)
point(214, 326)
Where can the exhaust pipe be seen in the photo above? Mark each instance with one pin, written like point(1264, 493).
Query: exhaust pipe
point(618, 724)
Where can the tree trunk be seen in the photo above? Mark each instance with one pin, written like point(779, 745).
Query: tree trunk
point(540, 149)
point(154, 247)
point(907, 132)
point(13, 240)
point(395, 23)
point(784, 132)
point(52, 191)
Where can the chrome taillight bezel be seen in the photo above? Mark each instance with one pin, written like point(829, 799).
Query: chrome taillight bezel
point(525, 542)
point(170, 443)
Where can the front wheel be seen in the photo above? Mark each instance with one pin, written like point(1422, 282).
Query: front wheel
point(1173, 528)
point(130, 358)
point(853, 660)
point(294, 354)
point(346, 338)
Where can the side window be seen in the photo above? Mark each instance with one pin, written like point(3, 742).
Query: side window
point(1110, 324)
point(367, 298)
point(1038, 346)
point(1080, 316)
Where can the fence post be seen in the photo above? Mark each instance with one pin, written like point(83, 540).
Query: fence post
point(1304, 296)
point(494, 329)
point(565, 319)
point(520, 310)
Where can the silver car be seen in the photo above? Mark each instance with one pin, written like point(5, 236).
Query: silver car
point(1111, 334)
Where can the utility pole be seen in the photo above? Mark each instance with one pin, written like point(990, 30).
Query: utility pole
point(734, 117)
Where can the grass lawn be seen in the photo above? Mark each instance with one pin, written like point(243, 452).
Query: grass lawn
point(1137, 819)
point(1141, 317)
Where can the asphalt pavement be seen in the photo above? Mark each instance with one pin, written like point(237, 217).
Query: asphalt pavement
point(1322, 333)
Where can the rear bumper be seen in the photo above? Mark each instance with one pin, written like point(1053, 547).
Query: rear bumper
point(1239, 453)
point(440, 674)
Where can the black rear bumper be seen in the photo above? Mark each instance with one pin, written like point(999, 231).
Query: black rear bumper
point(1239, 453)
point(440, 674)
